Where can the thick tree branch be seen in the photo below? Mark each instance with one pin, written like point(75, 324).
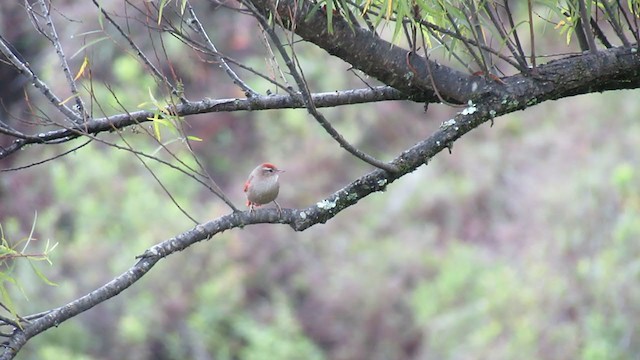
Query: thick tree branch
point(373, 55)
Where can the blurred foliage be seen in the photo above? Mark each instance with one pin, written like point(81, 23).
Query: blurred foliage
point(17, 254)
point(523, 243)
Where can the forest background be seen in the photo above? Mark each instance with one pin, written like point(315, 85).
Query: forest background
point(521, 243)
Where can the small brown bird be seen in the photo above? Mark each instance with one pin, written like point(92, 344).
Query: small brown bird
point(263, 187)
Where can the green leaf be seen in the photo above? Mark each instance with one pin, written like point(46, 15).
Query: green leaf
point(329, 9)
point(41, 275)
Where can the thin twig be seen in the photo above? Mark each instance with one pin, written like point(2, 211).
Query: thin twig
point(204, 50)
point(503, 34)
point(195, 23)
point(140, 54)
point(214, 188)
point(442, 42)
point(428, 66)
point(46, 160)
point(433, 28)
point(164, 188)
point(626, 19)
point(308, 100)
point(614, 23)
point(600, 34)
point(531, 35)
point(478, 34)
point(7, 130)
point(8, 321)
point(26, 71)
point(586, 26)
point(516, 38)
point(55, 41)
point(456, 35)
point(456, 29)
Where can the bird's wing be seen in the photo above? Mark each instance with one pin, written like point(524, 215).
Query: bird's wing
point(246, 185)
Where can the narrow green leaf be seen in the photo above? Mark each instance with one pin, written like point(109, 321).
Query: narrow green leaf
point(329, 9)
point(41, 275)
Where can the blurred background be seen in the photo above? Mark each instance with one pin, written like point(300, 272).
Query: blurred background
point(523, 243)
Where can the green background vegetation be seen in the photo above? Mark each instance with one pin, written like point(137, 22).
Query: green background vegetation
point(523, 243)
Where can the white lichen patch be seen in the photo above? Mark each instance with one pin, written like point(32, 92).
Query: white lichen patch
point(469, 109)
point(326, 204)
point(352, 196)
point(382, 182)
point(303, 215)
point(448, 123)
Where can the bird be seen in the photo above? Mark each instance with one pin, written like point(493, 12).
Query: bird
point(262, 186)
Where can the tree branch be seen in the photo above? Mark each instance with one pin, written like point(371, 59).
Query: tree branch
point(609, 69)
point(95, 126)
point(374, 56)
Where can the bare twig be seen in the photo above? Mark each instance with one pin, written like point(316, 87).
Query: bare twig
point(155, 177)
point(516, 38)
point(26, 71)
point(503, 34)
point(531, 35)
point(214, 188)
point(178, 34)
point(428, 66)
point(308, 100)
point(478, 33)
point(140, 54)
point(458, 33)
point(597, 31)
point(195, 23)
point(55, 41)
point(586, 26)
point(435, 29)
point(7, 130)
point(614, 22)
point(46, 160)
point(624, 13)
